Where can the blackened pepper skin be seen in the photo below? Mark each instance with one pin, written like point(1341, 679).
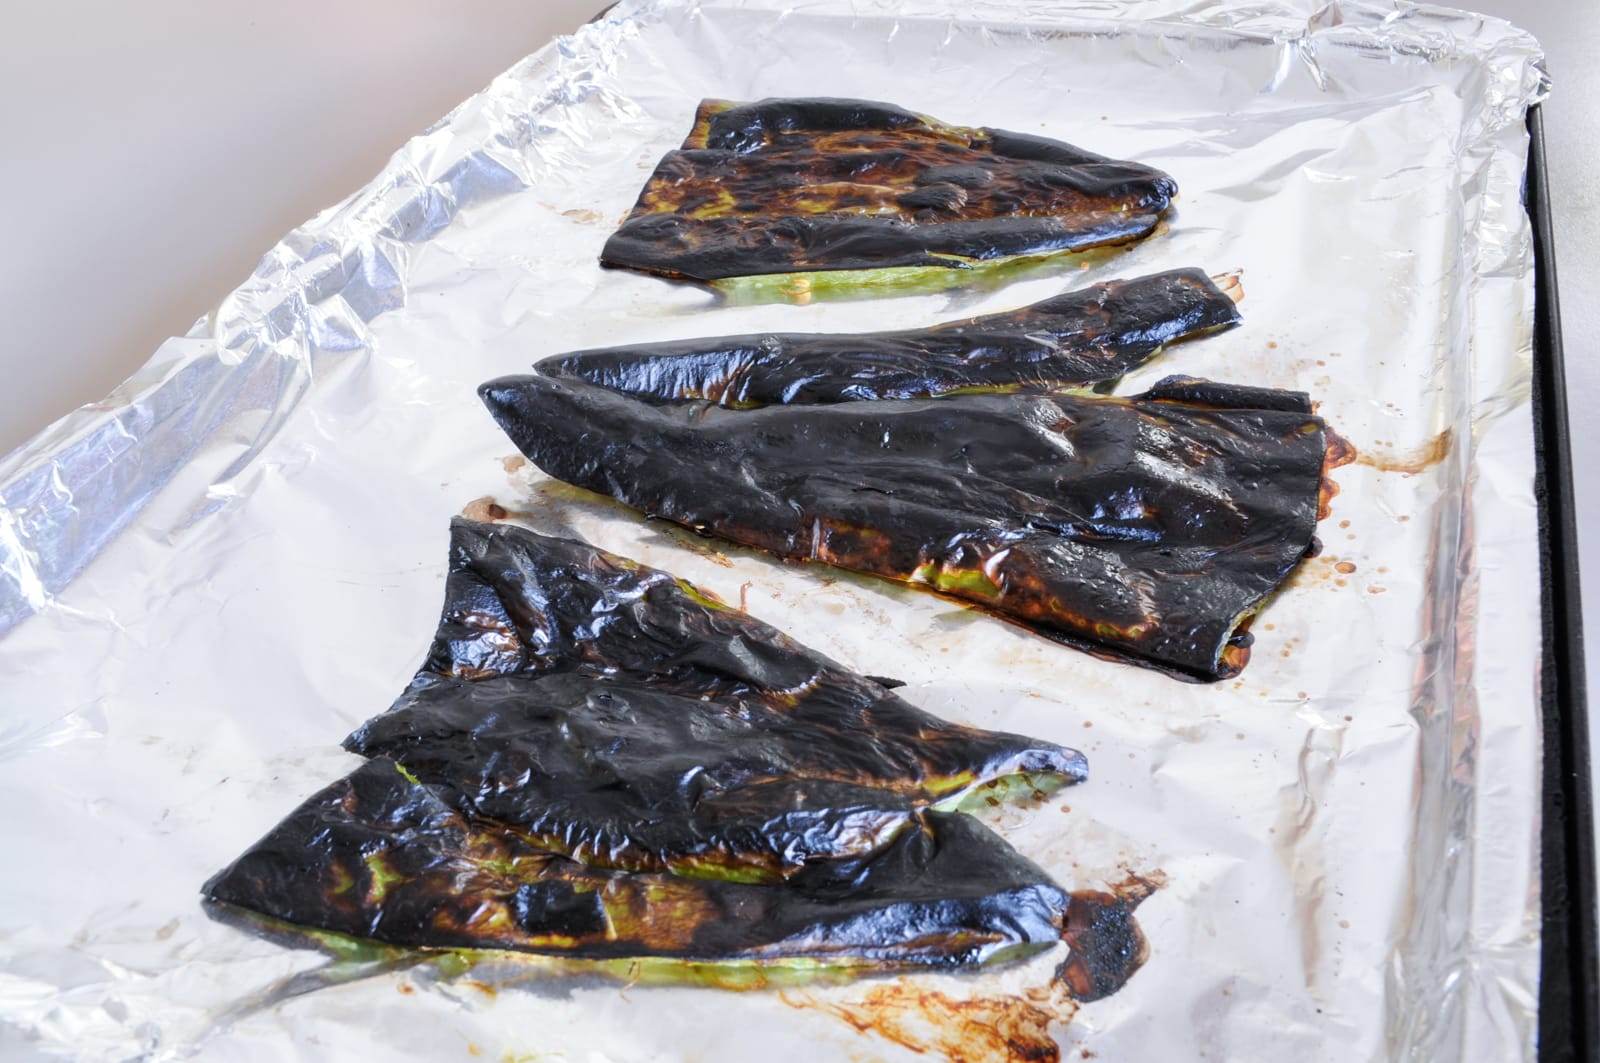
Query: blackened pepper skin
point(1079, 338)
point(804, 185)
point(608, 711)
point(380, 856)
point(1148, 528)
point(598, 761)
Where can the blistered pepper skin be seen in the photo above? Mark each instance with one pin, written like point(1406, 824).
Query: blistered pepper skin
point(612, 713)
point(1079, 338)
point(381, 857)
point(598, 761)
point(1147, 528)
point(806, 185)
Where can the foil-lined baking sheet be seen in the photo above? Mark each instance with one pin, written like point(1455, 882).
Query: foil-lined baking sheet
point(212, 576)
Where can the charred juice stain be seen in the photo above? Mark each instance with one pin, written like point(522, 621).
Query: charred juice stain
point(1106, 949)
point(1107, 946)
point(1327, 570)
point(1409, 464)
point(1339, 453)
point(971, 1030)
point(1325, 496)
point(1230, 284)
point(1236, 654)
point(484, 510)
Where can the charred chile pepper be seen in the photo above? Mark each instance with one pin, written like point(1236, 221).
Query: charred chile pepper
point(785, 186)
point(598, 761)
point(610, 712)
point(1076, 339)
point(379, 856)
point(1147, 528)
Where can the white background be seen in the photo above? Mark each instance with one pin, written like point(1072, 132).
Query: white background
point(152, 151)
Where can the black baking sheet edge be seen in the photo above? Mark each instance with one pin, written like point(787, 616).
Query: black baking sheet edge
point(1569, 1005)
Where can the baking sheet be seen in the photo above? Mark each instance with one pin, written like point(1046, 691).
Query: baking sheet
point(212, 576)
point(1569, 997)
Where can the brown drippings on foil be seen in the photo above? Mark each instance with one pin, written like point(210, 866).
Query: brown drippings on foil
point(513, 464)
point(1430, 454)
point(587, 217)
point(1325, 496)
point(1231, 285)
point(484, 509)
point(975, 1030)
point(1107, 948)
point(1340, 452)
point(1328, 569)
point(1236, 653)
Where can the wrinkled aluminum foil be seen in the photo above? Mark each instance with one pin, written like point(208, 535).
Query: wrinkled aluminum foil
point(209, 578)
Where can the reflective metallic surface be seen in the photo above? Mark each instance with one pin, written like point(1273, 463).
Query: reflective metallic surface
point(214, 575)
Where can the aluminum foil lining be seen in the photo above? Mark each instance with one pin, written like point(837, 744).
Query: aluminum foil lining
point(213, 575)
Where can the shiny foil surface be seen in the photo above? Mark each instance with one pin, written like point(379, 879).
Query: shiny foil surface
point(211, 577)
